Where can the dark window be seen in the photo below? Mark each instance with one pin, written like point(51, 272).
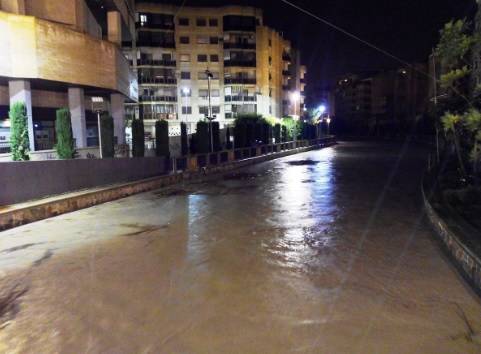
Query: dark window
point(203, 110)
point(156, 20)
point(239, 23)
point(184, 40)
point(185, 75)
point(270, 42)
point(183, 21)
point(215, 109)
point(186, 110)
point(201, 22)
point(214, 40)
point(213, 22)
point(202, 58)
point(214, 58)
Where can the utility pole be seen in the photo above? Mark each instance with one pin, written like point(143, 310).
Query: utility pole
point(435, 91)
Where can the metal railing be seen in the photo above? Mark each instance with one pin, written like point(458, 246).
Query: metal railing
point(147, 98)
point(151, 62)
point(240, 80)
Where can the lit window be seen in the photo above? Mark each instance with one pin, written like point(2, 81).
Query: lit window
point(143, 19)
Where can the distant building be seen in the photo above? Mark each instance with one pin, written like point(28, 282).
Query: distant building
point(384, 102)
point(254, 69)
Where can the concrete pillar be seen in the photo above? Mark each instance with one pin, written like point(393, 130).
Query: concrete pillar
point(14, 6)
point(76, 105)
point(114, 27)
point(118, 114)
point(20, 91)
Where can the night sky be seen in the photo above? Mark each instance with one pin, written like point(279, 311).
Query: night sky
point(405, 28)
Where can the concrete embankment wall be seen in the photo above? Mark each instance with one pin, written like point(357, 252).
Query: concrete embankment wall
point(466, 261)
point(23, 181)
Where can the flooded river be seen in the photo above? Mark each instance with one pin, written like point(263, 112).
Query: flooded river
point(321, 252)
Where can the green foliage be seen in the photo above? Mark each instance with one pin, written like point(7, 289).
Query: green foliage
point(138, 139)
point(63, 129)
point(450, 122)
point(451, 78)
point(293, 128)
point(183, 139)
point(107, 131)
point(455, 43)
point(285, 134)
point(162, 138)
point(216, 136)
point(228, 143)
point(240, 135)
point(277, 133)
point(19, 142)
point(249, 118)
point(202, 138)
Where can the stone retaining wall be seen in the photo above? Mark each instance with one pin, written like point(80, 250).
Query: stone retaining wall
point(468, 263)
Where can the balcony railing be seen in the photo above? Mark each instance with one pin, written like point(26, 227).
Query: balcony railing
point(240, 98)
point(147, 98)
point(157, 116)
point(286, 57)
point(151, 62)
point(236, 80)
point(4, 147)
point(231, 45)
point(243, 63)
point(286, 72)
point(147, 43)
point(158, 80)
point(162, 26)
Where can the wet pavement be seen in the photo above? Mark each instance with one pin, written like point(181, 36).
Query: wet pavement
point(321, 252)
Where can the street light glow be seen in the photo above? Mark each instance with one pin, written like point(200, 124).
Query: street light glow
point(321, 109)
point(185, 90)
point(295, 96)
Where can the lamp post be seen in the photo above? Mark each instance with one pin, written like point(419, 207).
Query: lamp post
point(328, 120)
point(209, 117)
point(97, 105)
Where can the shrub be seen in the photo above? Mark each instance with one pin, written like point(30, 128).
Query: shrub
point(285, 135)
point(277, 133)
point(138, 140)
point(250, 134)
point(107, 131)
point(63, 129)
point(228, 143)
point(162, 138)
point(183, 139)
point(240, 135)
point(202, 138)
point(19, 132)
point(216, 136)
point(193, 144)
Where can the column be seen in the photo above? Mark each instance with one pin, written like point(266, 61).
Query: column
point(20, 91)
point(118, 114)
point(114, 27)
point(76, 105)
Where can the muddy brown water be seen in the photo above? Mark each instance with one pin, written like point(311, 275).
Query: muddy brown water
point(320, 252)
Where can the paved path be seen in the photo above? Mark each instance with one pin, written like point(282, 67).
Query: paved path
point(320, 252)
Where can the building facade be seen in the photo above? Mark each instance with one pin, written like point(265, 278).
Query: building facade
point(61, 54)
point(250, 65)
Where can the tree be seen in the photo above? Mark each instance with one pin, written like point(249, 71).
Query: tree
point(162, 138)
point(138, 140)
point(183, 139)
point(107, 132)
point(216, 135)
point(19, 141)
point(451, 124)
point(202, 138)
point(277, 133)
point(63, 129)
point(472, 123)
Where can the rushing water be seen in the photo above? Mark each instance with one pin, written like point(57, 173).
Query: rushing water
point(320, 252)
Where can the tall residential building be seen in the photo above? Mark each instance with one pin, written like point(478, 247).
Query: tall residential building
point(59, 54)
point(251, 65)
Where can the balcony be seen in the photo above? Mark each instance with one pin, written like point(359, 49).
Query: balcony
point(241, 63)
point(158, 116)
point(150, 43)
point(286, 72)
point(158, 80)
point(240, 98)
point(303, 81)
point(228, 45)
point(32, 48)
point(286, 57)
point(240, 81)
point(147, 98)
point(150, 62)
point(285, 87)
point(167, 26)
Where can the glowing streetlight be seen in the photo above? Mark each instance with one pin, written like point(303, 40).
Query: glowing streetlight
point(328, 120)
point(295, 96)
point(321, 109)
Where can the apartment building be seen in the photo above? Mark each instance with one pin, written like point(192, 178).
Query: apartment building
point(61, 54)
point(182, 50)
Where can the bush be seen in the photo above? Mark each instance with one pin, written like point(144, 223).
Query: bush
point(107, 131)
point(202, 138)
point(216, 136)
point(193, 144)
point(19, 142)
point(63, 129)
point(277, 133)
point(240, 135)
point(285, 135)
point(183, 139)
point(228, 143)
point(250, 134)
point(162, 138)
point(138, 140)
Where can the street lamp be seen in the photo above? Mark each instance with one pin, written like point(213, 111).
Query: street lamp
point(97, 106)
point(210, 117)
point(328, 120)
point(321, 109)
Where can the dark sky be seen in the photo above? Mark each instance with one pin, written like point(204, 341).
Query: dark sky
point(405, 28)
